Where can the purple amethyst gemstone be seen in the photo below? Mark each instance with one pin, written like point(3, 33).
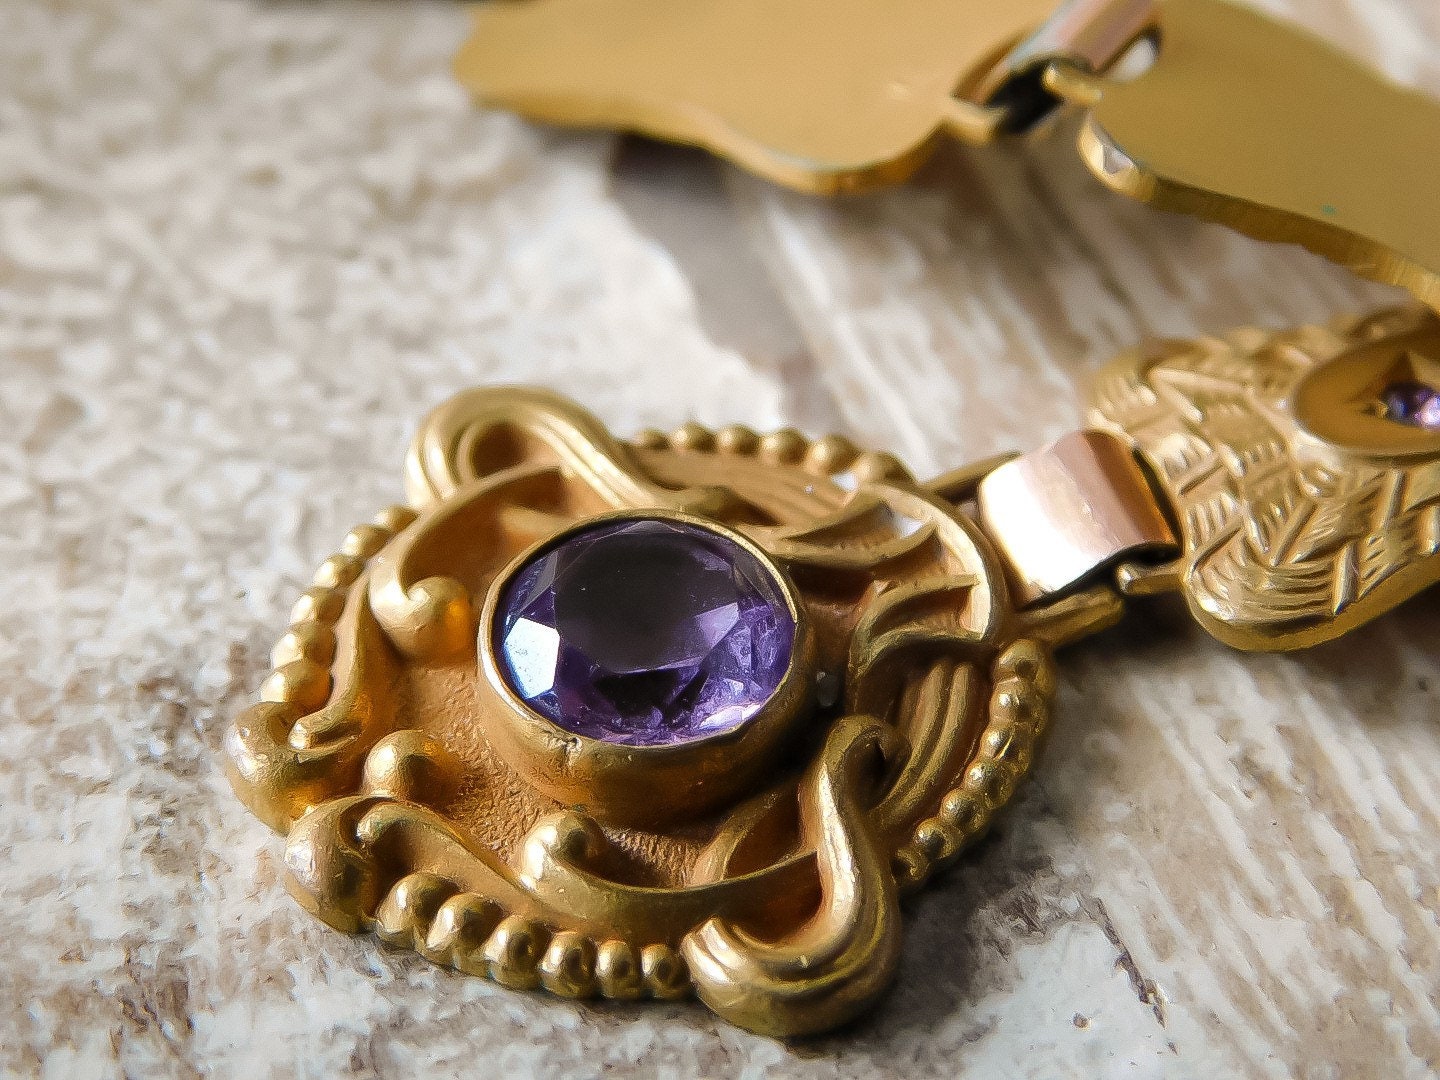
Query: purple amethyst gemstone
point(1414, 403)
point(645, 632)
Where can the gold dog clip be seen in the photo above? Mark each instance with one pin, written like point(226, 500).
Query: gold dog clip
point(1240, 119)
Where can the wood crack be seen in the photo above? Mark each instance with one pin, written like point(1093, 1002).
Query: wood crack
point(1145, 988)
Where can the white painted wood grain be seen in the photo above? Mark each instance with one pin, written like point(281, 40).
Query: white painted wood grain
point(243, 246)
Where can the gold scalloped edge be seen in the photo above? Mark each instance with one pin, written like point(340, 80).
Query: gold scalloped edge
point(423, 911)
point(1021, 700)
point(301, 660)
point(826, 455)
point(285, 752)
point(475, 935)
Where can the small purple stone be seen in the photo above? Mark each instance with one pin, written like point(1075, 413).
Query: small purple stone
point(645, 632)
point(1414, 403)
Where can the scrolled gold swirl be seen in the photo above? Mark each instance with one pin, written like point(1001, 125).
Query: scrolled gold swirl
point(821, 974)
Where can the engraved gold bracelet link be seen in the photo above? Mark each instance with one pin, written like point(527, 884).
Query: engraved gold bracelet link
point(1230, 471)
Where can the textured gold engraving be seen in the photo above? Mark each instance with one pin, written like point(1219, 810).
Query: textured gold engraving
point(1304, 512)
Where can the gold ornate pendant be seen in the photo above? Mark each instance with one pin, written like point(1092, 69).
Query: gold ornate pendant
point(692, 713)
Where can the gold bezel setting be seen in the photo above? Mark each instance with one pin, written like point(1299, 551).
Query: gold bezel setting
point(642, 785)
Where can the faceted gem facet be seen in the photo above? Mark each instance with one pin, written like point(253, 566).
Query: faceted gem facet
point(1414, 403)
point(645, 632)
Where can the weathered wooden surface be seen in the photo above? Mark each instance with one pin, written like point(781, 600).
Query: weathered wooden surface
point(243, 246)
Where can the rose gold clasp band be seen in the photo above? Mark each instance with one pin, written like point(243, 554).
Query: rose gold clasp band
point(1061, 514)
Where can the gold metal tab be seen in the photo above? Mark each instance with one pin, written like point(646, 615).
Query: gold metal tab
point(820, 95)
point(1254, 123)
point(1242, 119)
